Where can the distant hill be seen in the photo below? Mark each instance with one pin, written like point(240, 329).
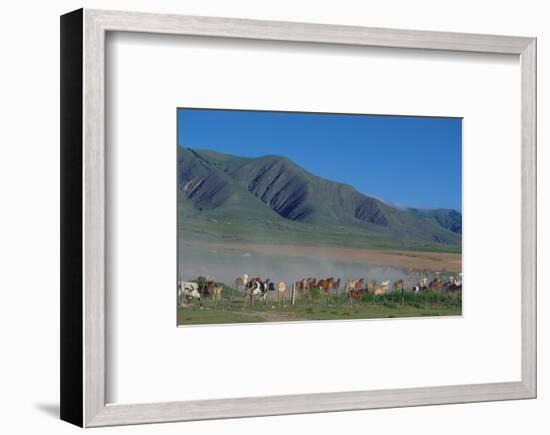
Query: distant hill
point(275, 191)
point(447, 218)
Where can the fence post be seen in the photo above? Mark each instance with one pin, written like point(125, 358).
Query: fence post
point(293, 293)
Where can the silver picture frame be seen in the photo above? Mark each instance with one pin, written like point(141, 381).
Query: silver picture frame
point(83, 202)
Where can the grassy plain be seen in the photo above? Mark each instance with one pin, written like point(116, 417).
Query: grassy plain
point(338, 307)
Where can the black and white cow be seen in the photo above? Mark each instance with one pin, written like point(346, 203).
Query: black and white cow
point(257, 287)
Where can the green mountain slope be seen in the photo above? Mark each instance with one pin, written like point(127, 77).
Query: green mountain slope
point(274, 192)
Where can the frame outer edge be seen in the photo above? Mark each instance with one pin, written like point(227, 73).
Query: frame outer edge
point(528, 61)
point(310, 32)
point(71, 264)
point(94, 217)
point(96, 24)
point(306, 403)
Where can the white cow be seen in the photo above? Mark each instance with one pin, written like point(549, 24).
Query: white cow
point(187, 290)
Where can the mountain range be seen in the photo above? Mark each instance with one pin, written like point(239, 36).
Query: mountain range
point(272, 194)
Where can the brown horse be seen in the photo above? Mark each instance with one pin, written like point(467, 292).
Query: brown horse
point(437, 285)
point(326, 286)
point(352, 284)
point(216, 291)
point(371, 285)
point(400, 284)
point(357, 294)
point(205, 288)
point(305, 285)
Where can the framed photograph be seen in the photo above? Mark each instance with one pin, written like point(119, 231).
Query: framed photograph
point(274, 224)
point(265, 218)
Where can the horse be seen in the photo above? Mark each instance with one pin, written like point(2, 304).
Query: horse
point(371, 285)
point(305, 285)
point(216, 290)
point(357, 294)
point(352, 284)
point(422, 283)
point(240, 281)
point(380, 291)
point(437, 284)
point(281, 293)
point(400, 284)
point(326, 286)
point(204, 287)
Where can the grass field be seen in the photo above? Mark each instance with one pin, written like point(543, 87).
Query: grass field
point(393, 305)
point(296, 233)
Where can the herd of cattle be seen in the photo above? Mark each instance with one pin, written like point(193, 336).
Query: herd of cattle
point(253, 288)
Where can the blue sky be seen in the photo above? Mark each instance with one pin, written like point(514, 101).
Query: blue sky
point(406, 161)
